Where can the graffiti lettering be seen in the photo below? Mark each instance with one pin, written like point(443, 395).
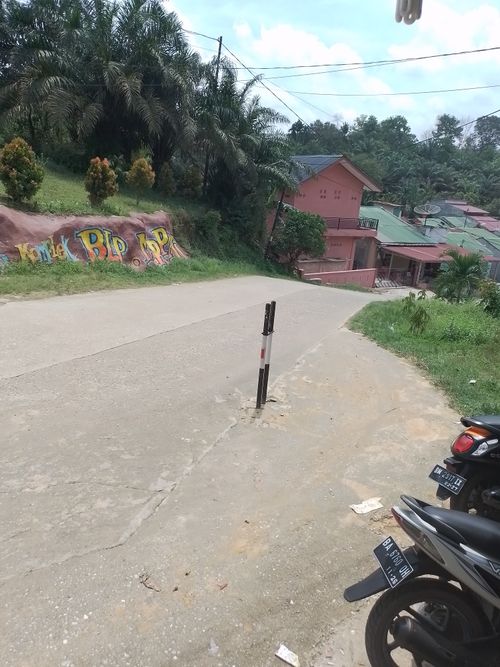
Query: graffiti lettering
point(47, 251)
point(156, 250)
point(101, 244)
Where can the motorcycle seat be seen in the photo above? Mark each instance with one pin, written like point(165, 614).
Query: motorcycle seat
point(479, 533)
point(490, 422)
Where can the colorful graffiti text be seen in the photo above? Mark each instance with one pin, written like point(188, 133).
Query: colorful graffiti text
point(47, 251)
point(158, 249)
point(101, 243)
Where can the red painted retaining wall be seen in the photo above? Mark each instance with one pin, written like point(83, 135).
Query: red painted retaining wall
point(139, 239)
point(363, 277)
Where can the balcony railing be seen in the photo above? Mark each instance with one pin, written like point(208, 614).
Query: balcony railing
point(351, 223)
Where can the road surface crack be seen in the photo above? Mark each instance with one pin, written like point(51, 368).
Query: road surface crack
point(150, 507)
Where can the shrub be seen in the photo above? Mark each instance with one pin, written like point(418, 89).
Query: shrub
point(166, 180)
point(297, 234)
point(190, 182)
point(100, 181)
point(409, 303)
point(208, 232)
point(20, 171)
point(140, 177)
point(419, 319)
point(460, 277)
point(119, 165)
point(183, 227)
point(490, 297)
point(66, 154)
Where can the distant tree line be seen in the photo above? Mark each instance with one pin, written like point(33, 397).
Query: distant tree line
point(452, 161)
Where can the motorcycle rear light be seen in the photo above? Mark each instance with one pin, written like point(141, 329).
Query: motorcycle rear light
point(464, 443)
point(469, 439)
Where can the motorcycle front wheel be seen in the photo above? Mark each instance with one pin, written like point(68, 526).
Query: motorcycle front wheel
point(430, 601)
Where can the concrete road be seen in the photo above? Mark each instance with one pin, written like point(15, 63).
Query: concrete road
point(149, 517)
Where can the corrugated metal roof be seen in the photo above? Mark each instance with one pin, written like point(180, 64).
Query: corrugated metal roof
point(490, 240)
point(432, 222)
point(310, 165)
point(460, 221)
point(463, 239)
point(467, 208)
point(393, 230)
point(488, 222)
point(430, 255)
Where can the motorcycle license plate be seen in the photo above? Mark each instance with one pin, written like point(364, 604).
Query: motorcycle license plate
point(393, 562)
point(450, 480)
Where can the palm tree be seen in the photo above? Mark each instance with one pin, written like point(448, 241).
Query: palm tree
point(111, 75)
point(460, 277)
point(248, 153)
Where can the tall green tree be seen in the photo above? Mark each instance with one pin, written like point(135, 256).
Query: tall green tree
point(109, 75)
point(248, 154)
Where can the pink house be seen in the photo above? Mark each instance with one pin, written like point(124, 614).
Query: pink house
point(332, 186)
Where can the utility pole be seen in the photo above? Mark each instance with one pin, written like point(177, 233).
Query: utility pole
point(207, 157)
point(279, 208)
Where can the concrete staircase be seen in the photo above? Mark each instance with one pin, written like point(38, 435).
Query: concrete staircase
point(386, 283)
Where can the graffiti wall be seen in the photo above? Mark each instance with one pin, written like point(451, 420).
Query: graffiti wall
point(139, 240)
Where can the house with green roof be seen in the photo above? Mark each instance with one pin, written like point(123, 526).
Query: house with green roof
point(406, 255)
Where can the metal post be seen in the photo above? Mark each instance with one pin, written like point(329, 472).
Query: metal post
point(268, 350)
point(263, 346)
point(275, 222)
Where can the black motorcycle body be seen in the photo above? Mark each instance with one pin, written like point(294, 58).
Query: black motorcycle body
point(441, 604)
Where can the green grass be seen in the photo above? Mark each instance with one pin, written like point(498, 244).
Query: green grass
point(461, 343)
point(63, 193)
point(23, 278)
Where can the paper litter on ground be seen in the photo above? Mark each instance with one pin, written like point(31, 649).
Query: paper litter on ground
point(367, 506)
point(287, 656)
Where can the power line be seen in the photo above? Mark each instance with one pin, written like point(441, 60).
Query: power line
point(264, 85)
point(460, 127)
point(410, 92)
point(379, 62)
point(310, 104)
point(200, 34)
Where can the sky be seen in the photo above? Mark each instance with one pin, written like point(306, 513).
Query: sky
point(270, 33)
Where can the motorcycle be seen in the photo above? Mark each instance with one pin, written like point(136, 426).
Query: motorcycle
point(471, 477)
point(441, 605)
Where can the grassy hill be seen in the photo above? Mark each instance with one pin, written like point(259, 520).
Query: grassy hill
point(63, 192)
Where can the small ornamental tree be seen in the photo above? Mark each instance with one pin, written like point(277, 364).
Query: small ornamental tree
point(297, 234)
point(20, 171)
point(140, 177)
point(100, 181)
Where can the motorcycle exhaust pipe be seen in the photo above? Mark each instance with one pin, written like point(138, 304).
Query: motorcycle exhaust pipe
point(412, 637)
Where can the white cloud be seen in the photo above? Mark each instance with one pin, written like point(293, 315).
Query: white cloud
point(447, 28)
point(242, 30)
point(284, 44)
point(296, 36)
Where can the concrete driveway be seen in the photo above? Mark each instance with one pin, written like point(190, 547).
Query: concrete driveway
point(149, 517)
